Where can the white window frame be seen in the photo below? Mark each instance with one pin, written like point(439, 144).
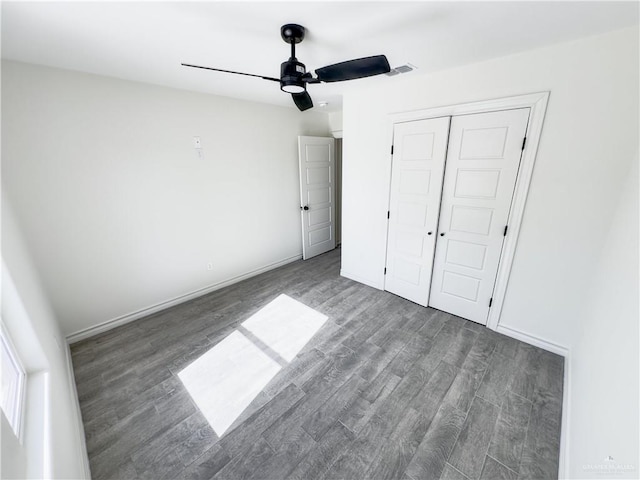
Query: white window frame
point(15, 410)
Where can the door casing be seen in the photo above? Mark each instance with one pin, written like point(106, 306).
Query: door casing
point(537, 102)
point(317, 194)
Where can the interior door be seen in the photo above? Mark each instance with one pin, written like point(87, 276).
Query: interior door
point(416, 184)
point(482, 165)
point(317, 195)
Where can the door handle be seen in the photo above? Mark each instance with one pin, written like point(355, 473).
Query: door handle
point(442, 234)
point(429, 233)
point(306, 207)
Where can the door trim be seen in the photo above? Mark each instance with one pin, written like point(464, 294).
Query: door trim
point(537, 102)
point(310, 250)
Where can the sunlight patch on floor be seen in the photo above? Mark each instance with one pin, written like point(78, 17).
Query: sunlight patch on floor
point(285, 325)
point(226, 379)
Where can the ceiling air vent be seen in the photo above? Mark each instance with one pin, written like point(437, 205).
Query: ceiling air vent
point(401, 69)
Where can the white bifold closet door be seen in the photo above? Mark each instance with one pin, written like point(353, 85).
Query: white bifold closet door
point(416, 183)
point(482, 166)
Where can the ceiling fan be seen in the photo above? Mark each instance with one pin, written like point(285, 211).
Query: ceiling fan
point(294, 76)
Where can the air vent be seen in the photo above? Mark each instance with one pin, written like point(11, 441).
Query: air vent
point(401, 69)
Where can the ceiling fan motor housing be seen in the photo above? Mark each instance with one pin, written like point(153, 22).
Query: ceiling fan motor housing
point(291, 73)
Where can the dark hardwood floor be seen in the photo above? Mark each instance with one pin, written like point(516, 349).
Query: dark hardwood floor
point(385, 389)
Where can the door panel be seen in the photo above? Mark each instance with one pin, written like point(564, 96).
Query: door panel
point(482, 165)
point(317, 193)
point(471, 219)
point(416, 184)
point(319, 216)
point(476, 183)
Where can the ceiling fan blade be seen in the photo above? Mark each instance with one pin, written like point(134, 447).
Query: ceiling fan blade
point(302, 100)
point(352, 69)
point(231, 71)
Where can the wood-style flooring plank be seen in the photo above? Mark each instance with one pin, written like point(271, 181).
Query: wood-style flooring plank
point(245, 465)
point(289, 452)
point(384, 389)
point(235, 440)
point(450, 473)
point(510, 430)
point(324, 454)
point(317, 423)
point(497, 379)
point(151, 459)
point(466, 384)
point(470, 450)
point(207, 465)
point(494, 470)
point(358, 414)
point(430, 458)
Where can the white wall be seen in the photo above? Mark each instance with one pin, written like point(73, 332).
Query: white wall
point(14, 456)
point(53, 439)
point(118, 211)
point(335, 123)
point(589, 140)
point(604, 357)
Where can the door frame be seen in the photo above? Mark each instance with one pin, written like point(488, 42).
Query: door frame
point(537, 102)
point(304, 212)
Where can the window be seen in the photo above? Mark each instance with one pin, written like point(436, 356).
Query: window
point(13, 383)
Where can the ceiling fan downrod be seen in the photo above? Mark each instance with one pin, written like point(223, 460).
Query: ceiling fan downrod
point(292, 70)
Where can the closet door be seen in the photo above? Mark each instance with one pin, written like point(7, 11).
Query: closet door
point(482, 165)
point(416, 185)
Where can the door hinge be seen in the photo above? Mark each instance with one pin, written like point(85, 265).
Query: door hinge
point(505, 230)
point(490, 302)
point(524, 141)
point(385, 270)
point(391, 149)
point(388, 214)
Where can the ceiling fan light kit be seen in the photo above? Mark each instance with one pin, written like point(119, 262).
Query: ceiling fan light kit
point(294, 76)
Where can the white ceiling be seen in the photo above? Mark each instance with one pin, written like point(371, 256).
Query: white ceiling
point(147, 41)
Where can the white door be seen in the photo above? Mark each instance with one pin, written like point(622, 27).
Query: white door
point(417, 168)
point(317, 194)
point(482, 165)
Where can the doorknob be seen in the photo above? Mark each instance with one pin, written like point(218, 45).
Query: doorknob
point(442, 234)
point(306, 207)
point(429, 233)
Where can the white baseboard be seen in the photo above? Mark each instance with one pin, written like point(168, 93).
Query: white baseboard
point(130, 317)
point(563, 468)
point(360, 279)
point(76, 404)
point(533, 340)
